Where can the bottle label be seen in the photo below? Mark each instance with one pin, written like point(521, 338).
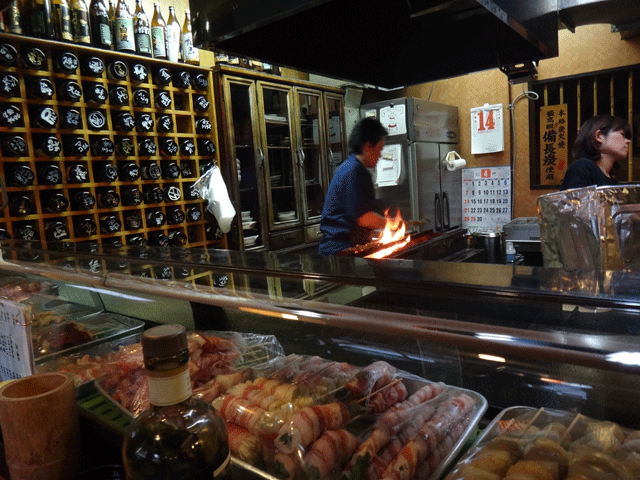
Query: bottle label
point(123, 30)
point(80, 26)
point(105, 34)
point(143, 43)
point(169, 389)
point(188, 51)
point(172, 39)
point(96, 120)
point(95, 65)
point(157, 39)
point(9, 84)
point(37, 22)
point(64, 19)
point(11, 116)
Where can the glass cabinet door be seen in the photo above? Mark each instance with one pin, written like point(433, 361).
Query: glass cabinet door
point(311, 141)
point(244, 139)
point(280, 157)
point(336, 140)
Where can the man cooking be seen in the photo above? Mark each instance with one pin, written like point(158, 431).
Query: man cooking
point(350, 212)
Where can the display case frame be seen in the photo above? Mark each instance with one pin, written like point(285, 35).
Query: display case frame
point(518, 335)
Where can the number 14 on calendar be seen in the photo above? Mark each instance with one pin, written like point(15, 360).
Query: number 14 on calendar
point(487, 129)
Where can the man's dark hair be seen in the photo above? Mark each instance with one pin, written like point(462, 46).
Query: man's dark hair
point(366, 130)
point(586, 145)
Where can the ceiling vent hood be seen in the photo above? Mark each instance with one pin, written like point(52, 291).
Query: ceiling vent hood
point(385, 43)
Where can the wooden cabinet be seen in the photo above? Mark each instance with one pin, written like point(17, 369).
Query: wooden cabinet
point(113, 147)
point(282, 139)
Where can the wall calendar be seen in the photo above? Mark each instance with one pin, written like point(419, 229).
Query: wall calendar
point(486, 198)
point(487, 129)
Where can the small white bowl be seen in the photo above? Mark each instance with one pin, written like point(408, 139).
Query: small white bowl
point(250, 241)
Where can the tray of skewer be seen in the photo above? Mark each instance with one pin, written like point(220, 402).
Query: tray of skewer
point(524, 443)
point(308, 418)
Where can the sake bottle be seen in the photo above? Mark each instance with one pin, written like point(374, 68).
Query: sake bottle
point(40, 16)
point(62, 21)
point(190, 54)
point(80, 22)
point(112, 19)
point(172, 36)
point(100, 26)
point(158, 43)
point(141, 30)
point(124, 39)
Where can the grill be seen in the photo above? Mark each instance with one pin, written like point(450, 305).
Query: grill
point(430, 245)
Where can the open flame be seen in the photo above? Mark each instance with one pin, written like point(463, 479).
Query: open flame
point(393, 232)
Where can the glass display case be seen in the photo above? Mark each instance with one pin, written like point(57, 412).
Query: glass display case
point(518, 335)
point(285, 137)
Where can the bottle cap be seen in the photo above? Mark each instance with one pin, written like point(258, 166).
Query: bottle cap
point(164, 341)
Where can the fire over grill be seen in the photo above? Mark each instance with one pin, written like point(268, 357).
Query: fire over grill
point(422, 246)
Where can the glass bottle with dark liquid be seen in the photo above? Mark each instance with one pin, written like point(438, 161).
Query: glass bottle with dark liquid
point(177, 437)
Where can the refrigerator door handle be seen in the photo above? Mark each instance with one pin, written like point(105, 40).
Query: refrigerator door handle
point(446, 214)
point(437, 208)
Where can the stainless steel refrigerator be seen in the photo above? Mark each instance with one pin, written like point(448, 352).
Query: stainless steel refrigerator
point(411, 174)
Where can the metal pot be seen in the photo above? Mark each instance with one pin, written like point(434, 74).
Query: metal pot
point(492, 243)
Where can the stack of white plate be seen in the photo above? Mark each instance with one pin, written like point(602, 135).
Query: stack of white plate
point(247, 221)
point(250, 241)
point(282, 216)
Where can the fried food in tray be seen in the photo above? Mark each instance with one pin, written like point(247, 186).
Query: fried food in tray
point(308, 418)
point(523, 443)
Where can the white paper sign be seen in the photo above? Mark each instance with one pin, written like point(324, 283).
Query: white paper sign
point(394, 119)
point(389, 167)
point(16, 349)
point(487, 129)
point(486, 198)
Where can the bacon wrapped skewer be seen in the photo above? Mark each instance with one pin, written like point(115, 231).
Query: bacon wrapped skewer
point(243, 444)
point(370, 378)
point(449, 414)
point(329, 453)
point(306, 425)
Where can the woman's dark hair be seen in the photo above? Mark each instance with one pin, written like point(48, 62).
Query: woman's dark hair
point(586, 145)
point(366, 130)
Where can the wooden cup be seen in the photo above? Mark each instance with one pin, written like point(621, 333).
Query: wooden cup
point(39, 421)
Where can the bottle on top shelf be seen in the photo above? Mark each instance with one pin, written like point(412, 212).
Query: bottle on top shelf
point(203, 448)
point(142, 30)
point(172, 36)
point(32, 57)
point(190, 54)
point(112, 18)
point(158, 43)
point(40, 18)
point(13, 18)
point(80, 22)
point(123, 27)
point(201, 81)
point(100, 25)
point(62, 21)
